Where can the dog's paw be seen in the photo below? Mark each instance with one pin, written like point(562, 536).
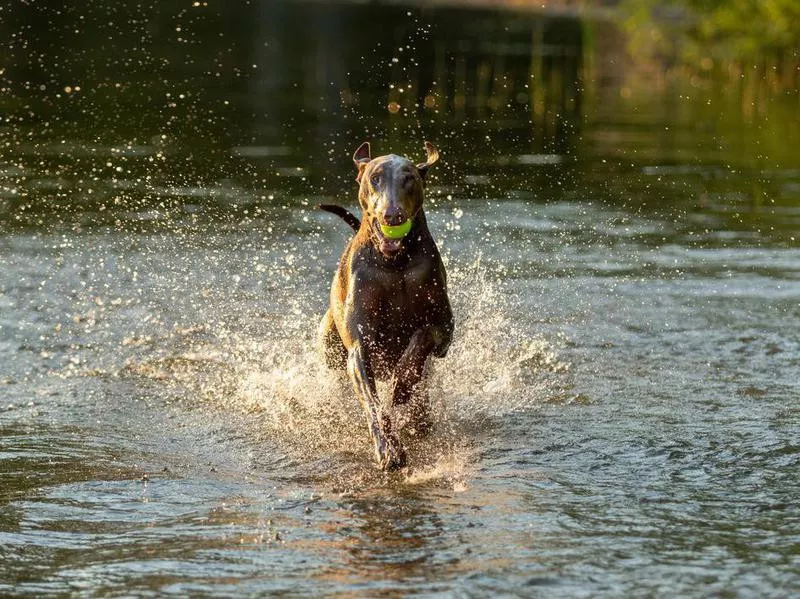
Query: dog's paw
point(390, 453)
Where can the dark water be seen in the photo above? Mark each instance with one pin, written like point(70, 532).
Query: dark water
point(619, 412)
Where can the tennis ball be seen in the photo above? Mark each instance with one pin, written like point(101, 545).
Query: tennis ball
point(397, 232)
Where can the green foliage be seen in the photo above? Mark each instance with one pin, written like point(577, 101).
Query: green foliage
point(699, 31)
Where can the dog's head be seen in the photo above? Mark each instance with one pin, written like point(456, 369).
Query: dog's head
point(390, 194)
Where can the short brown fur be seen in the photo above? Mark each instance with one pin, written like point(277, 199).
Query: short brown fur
point(389, 309)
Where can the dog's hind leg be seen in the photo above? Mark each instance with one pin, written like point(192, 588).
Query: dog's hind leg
point(330, 343)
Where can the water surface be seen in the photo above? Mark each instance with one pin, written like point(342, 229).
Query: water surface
point(618, 414)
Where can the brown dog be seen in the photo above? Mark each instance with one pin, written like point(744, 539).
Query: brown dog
point(389, 308)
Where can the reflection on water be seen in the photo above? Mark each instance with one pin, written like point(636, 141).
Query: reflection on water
point(262, 95)
point(226, 111)
point(617, 414)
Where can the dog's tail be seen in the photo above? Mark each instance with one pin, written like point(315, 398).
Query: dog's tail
point(343, 213)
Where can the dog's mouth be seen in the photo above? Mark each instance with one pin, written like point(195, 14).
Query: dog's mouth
point(386, 246)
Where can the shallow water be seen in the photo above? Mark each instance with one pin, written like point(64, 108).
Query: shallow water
point(618, 414)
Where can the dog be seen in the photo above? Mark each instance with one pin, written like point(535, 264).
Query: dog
point(389, 310)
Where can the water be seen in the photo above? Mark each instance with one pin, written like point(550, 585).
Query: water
point(619, 411)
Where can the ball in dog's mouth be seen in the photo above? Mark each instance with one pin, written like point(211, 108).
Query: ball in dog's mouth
point(390, 238)
point(396, 232)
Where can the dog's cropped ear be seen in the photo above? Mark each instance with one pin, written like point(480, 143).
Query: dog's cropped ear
point(433, 156)
point(361, 159)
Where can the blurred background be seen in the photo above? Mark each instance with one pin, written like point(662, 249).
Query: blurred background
point(117, 104)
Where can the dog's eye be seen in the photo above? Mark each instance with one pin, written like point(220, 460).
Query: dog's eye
point(375, 180)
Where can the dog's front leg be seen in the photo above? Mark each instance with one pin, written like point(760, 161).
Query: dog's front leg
point(407, 383)
point(388, 449)
point(410, 368)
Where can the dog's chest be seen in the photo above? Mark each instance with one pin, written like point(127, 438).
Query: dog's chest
point(405, 300)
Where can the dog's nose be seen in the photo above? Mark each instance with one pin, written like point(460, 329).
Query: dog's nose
point(393, 216)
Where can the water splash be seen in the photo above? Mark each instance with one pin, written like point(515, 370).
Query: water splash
point(497, 365)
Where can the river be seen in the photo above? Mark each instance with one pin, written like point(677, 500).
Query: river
point(618, 414)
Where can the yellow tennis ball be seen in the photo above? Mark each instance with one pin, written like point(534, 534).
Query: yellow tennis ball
point(397, 232)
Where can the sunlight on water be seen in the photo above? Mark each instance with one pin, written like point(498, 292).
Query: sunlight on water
point(495, 366)
point(617, 413)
